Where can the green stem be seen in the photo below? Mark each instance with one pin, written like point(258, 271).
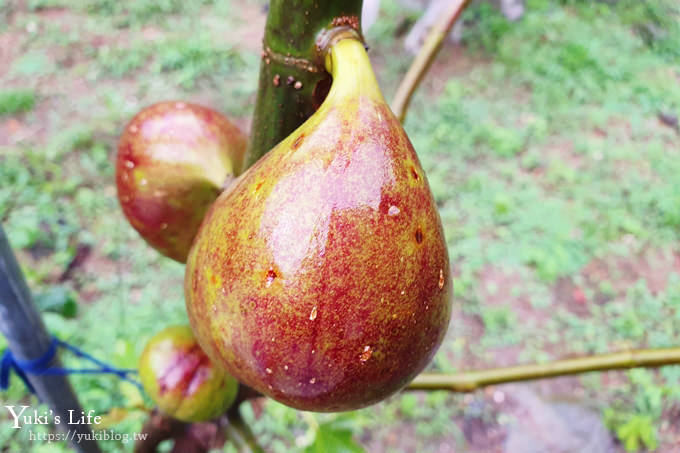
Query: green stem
point(468, 381)
point(241, 435)
point(421, 64)
point(293, 81)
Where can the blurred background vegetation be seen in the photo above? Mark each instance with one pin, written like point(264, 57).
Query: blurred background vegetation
point(551, 145)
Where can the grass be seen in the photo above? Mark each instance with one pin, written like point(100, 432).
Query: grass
point(556, 182)
point(16, 101)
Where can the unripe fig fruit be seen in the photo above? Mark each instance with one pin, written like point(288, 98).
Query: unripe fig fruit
point(321, 276)
point(181, 379)
point(173, 160)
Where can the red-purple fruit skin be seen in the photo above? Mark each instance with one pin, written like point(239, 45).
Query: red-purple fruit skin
point(173, 159)
point(181, 379)
point(321, 276)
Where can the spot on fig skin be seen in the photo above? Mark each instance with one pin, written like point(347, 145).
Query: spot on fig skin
point(414, 173)
point(312, 315)
point(271, 276)
point(129, 164)
point(312, 380)
point(419, 236)
point(441, 278)
point(133, 129)
point(393, 211)
point(366, 354)
point(268, 370)
point(298, 141)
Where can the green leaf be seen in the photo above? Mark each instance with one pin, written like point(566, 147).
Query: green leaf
point(638, 430)
point(58, 299)
point(329, 437)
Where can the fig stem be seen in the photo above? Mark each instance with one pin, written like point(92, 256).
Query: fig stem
point(421, 64)
point(468, 381)
point(348, 63)
point(291, 32)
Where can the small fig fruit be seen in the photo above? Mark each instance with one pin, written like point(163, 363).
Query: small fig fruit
point(181, 379)
point(321, 276)
point(173, 160)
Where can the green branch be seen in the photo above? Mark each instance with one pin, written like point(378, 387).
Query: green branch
point(293, 81)
point(421, 64)
point(468, 381)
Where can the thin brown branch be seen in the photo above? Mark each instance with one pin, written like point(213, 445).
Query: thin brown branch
point(424, 59)
point(240, 434)
point(468, 381)
point(236, 428)
point(158, 428)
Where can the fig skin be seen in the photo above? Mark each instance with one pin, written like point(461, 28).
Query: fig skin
point(321, 276)
point(180, 378)
point(173, 161)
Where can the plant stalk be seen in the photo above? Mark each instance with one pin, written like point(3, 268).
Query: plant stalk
point(468, 381)
point(421, 64)
point(293, 81)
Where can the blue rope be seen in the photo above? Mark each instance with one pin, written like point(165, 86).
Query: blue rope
point(41, 366)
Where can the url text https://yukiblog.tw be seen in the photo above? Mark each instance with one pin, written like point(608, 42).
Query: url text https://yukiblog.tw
point(77, 437)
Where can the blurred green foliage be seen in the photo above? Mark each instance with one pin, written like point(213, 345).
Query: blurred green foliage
point(16, 101)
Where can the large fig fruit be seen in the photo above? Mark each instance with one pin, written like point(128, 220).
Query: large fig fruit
point(321, 276)
point(181, 379)
point(173, 160)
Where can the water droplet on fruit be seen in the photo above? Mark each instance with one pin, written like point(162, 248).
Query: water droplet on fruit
point(393, 210)
point(129, 164)
point(285, 367)
point(133, 129)
point(143, 182)
point(164, 226)
point(441, 278)
point(312, 380)
point(403, 291)
point(312, 315)
point(268, 370)
point(366, 354)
